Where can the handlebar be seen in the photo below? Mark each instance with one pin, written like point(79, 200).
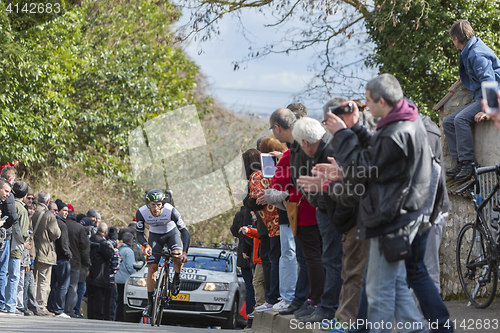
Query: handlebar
point(482, 170)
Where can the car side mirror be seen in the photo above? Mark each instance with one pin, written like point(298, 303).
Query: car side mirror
point(238, 272)
point(138, 265)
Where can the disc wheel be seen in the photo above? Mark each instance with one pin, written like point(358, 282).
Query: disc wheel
point(477, 271)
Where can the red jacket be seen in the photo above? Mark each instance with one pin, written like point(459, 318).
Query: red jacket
point(282, 182)
point(252, 233)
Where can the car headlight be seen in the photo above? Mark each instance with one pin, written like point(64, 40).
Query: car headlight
point(216, 286)
point(137, 281)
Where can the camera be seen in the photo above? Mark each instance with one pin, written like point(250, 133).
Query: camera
point(340, 110)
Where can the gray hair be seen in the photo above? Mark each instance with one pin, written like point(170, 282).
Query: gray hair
point(102, 227)
point(298, 109)
point(334, 102)
point(127, 237)
point(385, 86)
point(43, 196)
point(284, 118)
point(308, 129)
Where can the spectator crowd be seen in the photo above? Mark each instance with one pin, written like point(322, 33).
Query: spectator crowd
point(50, 257)
point(353, 216)
point(337, 236)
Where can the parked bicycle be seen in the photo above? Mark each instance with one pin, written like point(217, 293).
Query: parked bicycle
point(478, 245)
point(163, 291)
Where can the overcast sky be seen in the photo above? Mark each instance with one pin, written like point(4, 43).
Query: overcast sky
point(260, 85)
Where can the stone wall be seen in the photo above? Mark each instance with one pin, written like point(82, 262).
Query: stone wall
point(487, 152)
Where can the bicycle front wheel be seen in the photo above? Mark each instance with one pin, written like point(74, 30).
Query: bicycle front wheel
point(477, 271)
point(159, 298)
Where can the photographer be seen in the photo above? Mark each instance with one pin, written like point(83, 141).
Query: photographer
point(399, 153)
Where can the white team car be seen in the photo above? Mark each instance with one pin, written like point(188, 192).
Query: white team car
point(212, 291)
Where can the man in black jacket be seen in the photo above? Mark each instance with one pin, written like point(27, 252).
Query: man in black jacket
point(8, 208)
point(60, 272)
point(394, 166)
point(78, 241)
point(98, 282)
point(342, 217)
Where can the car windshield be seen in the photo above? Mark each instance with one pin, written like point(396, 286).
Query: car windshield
point(209, 261)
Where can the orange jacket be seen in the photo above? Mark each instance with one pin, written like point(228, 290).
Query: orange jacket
point(252, 233)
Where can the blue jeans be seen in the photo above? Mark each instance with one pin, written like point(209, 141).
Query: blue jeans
point(114, 297)
point(72, 296)
point(82, 287)
point(29, 298)
point(12, 284)
point(388, 295)
point(302, 286)
point(332, 261)
point(274, 257)
point(59, 286)
point(4, 268)
point(419, 280)
point(288, 264)
point(458, 132)
point(249, 292)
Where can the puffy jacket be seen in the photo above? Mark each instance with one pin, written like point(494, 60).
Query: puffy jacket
point(396, 161)
point(478, 63)
point(46, 233)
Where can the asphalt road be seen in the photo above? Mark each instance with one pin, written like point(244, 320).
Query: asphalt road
point(467, 319)
point(9, 323)
point(471, 320)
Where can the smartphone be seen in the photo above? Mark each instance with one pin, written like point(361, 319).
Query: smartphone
point(268, 166)
point(340, 110)
point(490, 89)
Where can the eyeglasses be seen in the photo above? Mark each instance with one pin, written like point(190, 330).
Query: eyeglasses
point(54, 210)
point(272, 127)
point(30, 198)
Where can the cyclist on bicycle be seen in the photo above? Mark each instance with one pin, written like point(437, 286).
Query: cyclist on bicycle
point(166, 228)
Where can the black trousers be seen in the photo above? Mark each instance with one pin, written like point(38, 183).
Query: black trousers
point(265, 251)
point(120, 288)
point(310, 241)
point(99, 302)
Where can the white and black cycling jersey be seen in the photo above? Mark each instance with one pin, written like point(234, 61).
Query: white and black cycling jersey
point(169, 219)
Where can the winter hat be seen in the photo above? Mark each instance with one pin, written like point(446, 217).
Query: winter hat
point(86, 222)
point(71, 209)
point(60, 204)
point(98, 216)
point(79, 217)
point(113, 233)
point(91, 213)
point(20, 189)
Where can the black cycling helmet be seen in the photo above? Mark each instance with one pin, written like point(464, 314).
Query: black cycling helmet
point(155, 196)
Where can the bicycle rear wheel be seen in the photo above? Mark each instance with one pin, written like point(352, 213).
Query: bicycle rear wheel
point(477, 271)
point(159, 298)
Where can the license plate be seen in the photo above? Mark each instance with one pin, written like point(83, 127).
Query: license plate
point(181, 297)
